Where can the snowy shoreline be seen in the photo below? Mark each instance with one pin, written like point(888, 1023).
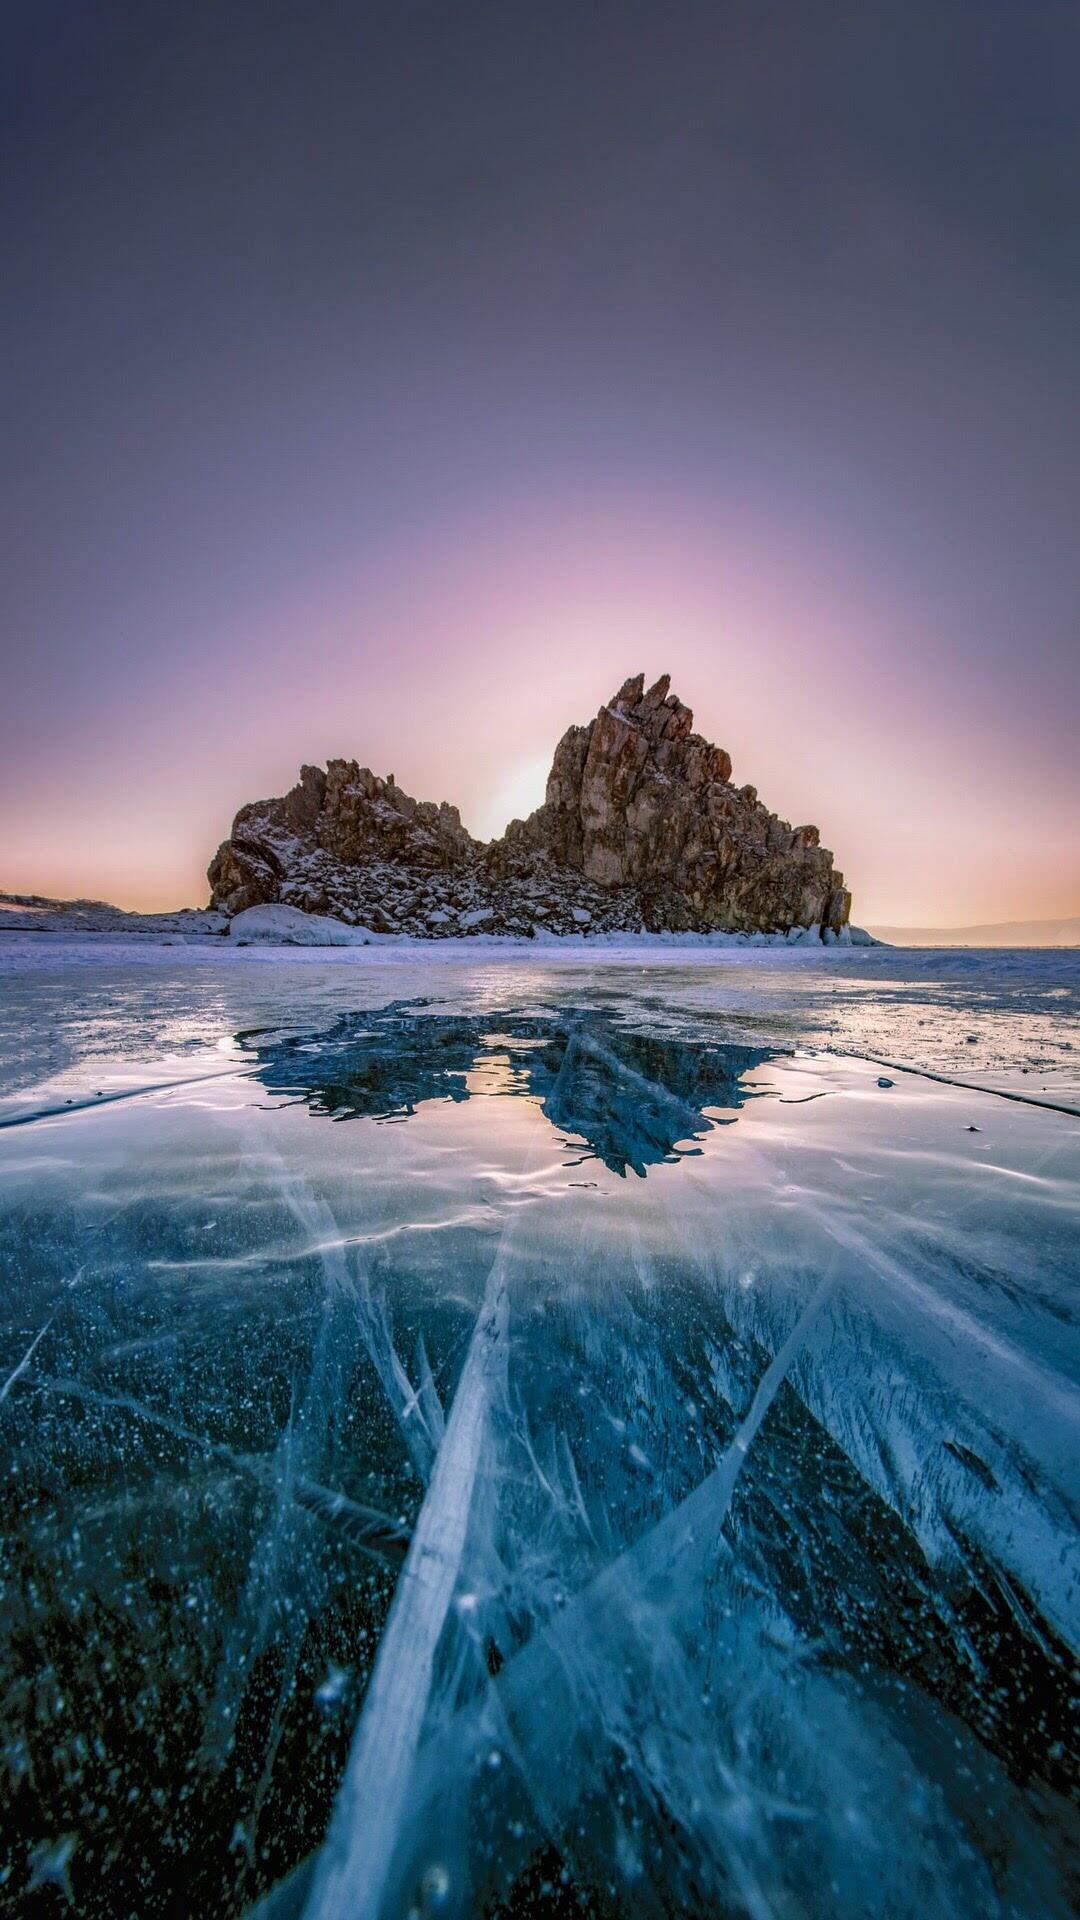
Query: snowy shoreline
point(22, 953)
point(286, 928)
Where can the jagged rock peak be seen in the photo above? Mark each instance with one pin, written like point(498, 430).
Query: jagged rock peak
point(640, 826)
point(339, 818)
point(638, 799)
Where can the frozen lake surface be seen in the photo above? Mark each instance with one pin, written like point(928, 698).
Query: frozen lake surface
point(492, 1434)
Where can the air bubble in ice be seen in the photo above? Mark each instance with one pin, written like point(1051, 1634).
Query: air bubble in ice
point(333, 1687)
point(434, 1889)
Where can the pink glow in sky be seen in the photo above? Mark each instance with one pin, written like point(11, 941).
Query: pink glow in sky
point(391, 382)
point(458, 665)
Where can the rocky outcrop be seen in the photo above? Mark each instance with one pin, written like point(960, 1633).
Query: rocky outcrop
point(641, 827)
point(638, 800)
point(332, 833)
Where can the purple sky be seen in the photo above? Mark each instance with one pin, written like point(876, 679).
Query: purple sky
point(393, 380)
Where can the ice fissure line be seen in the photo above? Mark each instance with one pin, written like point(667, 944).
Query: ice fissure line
point(972, 1086)
point(695, 1526)
point(93, 1101)
point(353, 1870)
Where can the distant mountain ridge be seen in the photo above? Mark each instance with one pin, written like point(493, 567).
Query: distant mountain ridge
point(641, 829)
point(1002, 933)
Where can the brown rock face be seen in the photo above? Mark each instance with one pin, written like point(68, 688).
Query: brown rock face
point(641, 826)
point(301, 849)
point(638, 799)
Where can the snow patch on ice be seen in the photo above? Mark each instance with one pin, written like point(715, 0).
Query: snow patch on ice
point(288, 926)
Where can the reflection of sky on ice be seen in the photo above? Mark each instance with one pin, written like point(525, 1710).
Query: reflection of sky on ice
point(572, 1463)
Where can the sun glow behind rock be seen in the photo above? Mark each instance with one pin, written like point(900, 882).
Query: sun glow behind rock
point(518, 795)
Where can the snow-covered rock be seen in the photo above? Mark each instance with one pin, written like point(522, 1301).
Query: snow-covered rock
point(288, 926)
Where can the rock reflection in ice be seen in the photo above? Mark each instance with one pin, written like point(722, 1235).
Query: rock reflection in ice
point(399, 1523)
point(630, 1096)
